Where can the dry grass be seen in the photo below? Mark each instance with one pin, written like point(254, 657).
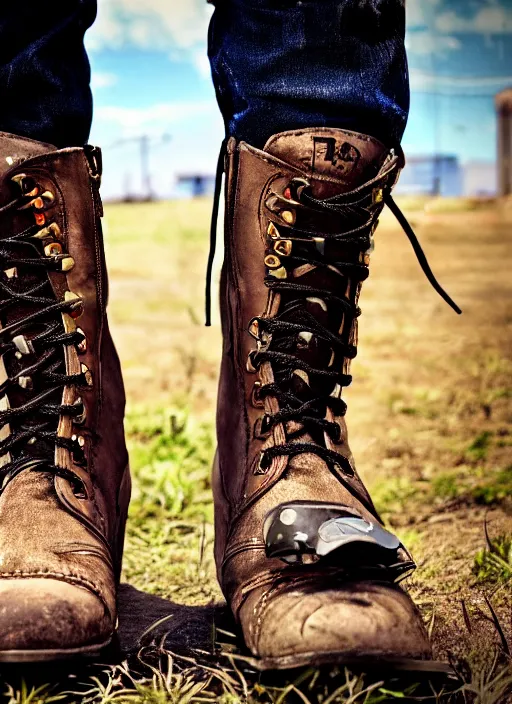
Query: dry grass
point(430, 418)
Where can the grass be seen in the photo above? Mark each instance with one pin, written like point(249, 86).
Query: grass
point(430, 419)
point(171, 512)
point(494, 563)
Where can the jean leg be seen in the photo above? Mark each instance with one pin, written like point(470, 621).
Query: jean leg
point(286, 64)
point(44, 70)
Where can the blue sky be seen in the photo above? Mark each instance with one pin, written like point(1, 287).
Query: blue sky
point(151, 76)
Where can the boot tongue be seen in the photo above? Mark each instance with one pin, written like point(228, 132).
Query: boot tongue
point(14, 150)
point(334, 160)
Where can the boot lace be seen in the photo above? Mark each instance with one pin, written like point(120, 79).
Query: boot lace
point(342, 252)
point(33, 338)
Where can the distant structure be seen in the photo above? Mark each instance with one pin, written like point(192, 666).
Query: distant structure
point(195, 185)
point(504, 109)
point(480, 179)
point(438, 175)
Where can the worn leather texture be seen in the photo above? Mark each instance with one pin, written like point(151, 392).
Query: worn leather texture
point(60, 551)
point(290, 609)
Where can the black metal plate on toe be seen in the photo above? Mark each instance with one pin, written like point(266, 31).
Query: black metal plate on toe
point(320, 530)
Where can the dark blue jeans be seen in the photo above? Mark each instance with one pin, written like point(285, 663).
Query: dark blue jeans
point(276, 64)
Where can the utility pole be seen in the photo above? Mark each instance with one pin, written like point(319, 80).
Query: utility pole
point(145, 144)
point(144, 168)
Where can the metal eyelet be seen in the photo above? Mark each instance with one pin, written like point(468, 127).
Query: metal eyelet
point(79, 489)
point(87, 374)
point(52, 230)
point(82, 345)
point(77, 307)
point(273, 232)
point(26, 382)
point(272, 262)
point(289, 216)
point(250, 365)
point(27, 184)
point(53, 249)
point(280, 273)
point(297, 185)
point(254, 328)
point(81, 418)
point(264, 342)
point(262, 427)
point(377, 195)
point(256, 401)
point(304, 339)
point(39, 203)
point(23, 345)
point(43, 201)
point(77, 451)
point(262, 338)
point(264, 463)
point(283, 247)
point(79, 440)
point(66, 264)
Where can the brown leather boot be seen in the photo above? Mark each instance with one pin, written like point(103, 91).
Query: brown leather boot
point(65, 482)
point(303, 559)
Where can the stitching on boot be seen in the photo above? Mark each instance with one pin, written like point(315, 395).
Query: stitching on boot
point(260, 610)
point(61, 576)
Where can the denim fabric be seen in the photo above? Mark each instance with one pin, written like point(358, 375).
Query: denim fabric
point(286, 64)
point(276, 64)
point(44, 70)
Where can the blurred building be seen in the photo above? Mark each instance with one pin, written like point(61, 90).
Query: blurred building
point(194, 185)
point(438, 175)
point(480, 179)
point(504, 109)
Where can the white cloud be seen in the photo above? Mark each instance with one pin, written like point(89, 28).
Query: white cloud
point(425, 42)
point(149, 24)
point(419, 12)
point(433, 28)
point(103, 80)
point(423, 39)
point(494, 19)
point(427, 81)
point(154, 117)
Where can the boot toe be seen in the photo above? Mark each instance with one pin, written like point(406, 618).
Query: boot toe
point(39, 614)
point(356, 621)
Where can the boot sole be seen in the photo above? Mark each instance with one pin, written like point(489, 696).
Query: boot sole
point(361, 662)
point(49, 655)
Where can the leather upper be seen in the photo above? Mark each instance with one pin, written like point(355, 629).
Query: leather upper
point(48, 528)
point(332, 162)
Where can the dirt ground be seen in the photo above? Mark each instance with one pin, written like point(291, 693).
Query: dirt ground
point(430, 409)
point(430, 421)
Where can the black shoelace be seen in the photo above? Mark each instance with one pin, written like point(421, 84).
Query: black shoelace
point(277, 336)
point(32, 346)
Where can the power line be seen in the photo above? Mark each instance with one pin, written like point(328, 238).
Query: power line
point(145, 143)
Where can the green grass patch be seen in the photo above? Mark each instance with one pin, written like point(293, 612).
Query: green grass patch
point(170, 532)
point(495, 489)
point(446, 486)
point(392, 495)
point(481, 485)
point(479, 447)
point(494, 563)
